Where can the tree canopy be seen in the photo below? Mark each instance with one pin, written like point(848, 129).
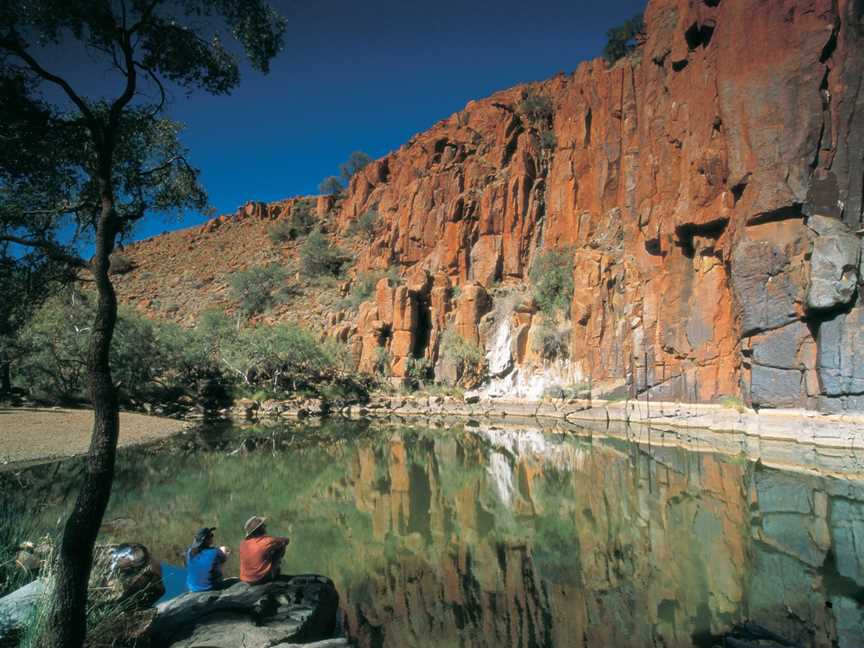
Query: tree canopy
point(76, 168)
point(621, 40)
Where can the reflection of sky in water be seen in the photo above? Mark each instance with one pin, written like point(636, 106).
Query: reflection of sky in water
point(491, 536)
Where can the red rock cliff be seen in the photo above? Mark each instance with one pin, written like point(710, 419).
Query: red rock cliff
point(709, 190)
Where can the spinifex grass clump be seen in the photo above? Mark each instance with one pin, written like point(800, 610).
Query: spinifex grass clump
point(119, 599)
point(16, 528)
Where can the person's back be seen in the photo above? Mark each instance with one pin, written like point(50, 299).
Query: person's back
point(202, 569)
point(260, 554)
point(204, 562)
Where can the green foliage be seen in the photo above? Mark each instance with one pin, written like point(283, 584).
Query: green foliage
point(279, 357)
point(552, 343)
point(732, 402)
point(362, 289)
point(155, 361)
point(455, 346)
point(318, 257)
point(281, 232)
point(259, 288)
point(55, 342)
point(95, 166)
point(331, 186)
point(356, 161)
point(621, 40)
point(300, 223)
point(537, 107)
point(365, 225)
point(303, 217)
point(548, 141)
point(551, 278)
point(25, 282)
point(364, 284)
point(17, 525)
point(418, 370)
point(382, 362)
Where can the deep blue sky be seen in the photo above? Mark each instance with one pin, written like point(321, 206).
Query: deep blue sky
point(367, 75)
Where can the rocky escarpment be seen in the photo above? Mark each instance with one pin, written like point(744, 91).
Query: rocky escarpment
point(707, 193)
point(708, 189)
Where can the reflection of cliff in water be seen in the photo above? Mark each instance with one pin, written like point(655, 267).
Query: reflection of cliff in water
point(506, 536)
point(512, 538)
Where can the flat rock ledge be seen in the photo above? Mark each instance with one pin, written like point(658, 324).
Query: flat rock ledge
point(292, 610)
point(791, 425)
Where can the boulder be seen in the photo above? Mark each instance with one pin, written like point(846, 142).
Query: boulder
point(472, 397)
point(17, 607)
point(448, 370)
point(833, 264)
point(295, 609)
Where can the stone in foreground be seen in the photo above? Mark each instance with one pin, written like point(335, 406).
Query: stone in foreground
point(295, 609)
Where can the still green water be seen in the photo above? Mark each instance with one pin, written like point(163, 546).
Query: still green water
point(461, 534)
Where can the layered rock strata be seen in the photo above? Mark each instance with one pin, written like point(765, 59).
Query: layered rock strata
point(708, 189)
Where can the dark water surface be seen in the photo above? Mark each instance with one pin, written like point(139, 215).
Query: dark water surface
point(510, 535)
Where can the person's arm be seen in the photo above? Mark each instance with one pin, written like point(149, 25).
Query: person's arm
point(276, 546)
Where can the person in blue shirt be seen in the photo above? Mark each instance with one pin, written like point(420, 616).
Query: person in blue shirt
point(204, 562)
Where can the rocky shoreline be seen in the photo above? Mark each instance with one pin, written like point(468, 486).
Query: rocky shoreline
point(799, 426)
point(789, 425)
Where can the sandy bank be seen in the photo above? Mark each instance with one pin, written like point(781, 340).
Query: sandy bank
point(32, 434)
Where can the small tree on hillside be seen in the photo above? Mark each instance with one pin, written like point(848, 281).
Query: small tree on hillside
point(356, 161)
point(102, 164)
point(330, 186)
point(259, 288)
point(319, 258)
point(622, 39)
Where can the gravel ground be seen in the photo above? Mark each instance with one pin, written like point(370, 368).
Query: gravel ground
point(31, 435)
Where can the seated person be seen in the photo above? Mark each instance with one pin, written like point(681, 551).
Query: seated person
point(204, 562)
point(260, 554)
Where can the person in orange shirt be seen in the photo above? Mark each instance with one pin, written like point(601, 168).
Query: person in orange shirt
point(260, 554)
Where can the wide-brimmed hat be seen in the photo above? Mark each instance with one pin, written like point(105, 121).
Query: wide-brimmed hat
point(252, 524)
point(201, 535)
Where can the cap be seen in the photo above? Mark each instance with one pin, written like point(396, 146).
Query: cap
point(202, 534)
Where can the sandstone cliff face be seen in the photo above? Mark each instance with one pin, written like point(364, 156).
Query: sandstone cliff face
point(709, 189)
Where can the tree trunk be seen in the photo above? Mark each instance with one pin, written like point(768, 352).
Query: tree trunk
point(5, 375)
point(66, 623)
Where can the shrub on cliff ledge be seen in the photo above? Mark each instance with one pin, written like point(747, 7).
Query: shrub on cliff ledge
point(455, 346)
point(548, 141)
point(300, 223)
point(622, 39)
point(330, 186)
point(551, 342)
point(365, 225)
point(536, 106)
point(318, 257)
point(356, 162)
point(467, 361)
point(551, 279)
point(363, 287)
